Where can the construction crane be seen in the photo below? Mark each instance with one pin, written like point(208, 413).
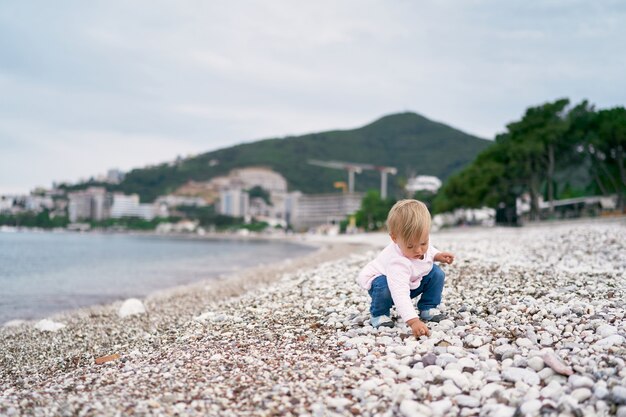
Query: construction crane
point(342, 185)
point(356, 168)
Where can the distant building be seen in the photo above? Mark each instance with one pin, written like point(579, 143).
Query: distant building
point(260, 176)
point(181, 200)
point(423, 183)
point(129, 206)
point(234, 202)
point(114, 176)
point(90, 204)
point(6, 203)
point(311, 210)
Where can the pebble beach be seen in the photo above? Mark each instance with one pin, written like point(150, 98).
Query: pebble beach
point(536, 327)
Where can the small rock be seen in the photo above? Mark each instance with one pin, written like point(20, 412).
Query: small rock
point(514, 374)
point(606, 330)
point(439, 408)
point(429, 359)
point(131, 307)
point(467, 401)
point(47, 325)
point(618, 395)
point(536, 363)
point(581, 394)
point(579, 381)
point(530, 407)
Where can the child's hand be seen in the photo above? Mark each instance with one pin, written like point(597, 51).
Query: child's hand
point(418, 327)
point(444, 257)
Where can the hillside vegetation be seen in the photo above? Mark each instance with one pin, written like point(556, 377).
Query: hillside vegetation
point(410, 142)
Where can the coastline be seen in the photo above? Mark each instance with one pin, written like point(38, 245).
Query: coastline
point(209, 276)
point(526, 335)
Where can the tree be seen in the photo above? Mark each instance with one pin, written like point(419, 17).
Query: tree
point(607, 148)
point(536, 139)
point(373, 212)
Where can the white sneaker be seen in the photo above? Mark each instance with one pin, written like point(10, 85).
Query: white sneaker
point(433, 315)
point(381, 321)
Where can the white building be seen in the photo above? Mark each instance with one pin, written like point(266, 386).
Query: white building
point(129, 206)
point(6, 203)
point(423, 183)
point(92, 203)
point(311, 210)
point(259, 176)
point(181, 200)
point(234, 202)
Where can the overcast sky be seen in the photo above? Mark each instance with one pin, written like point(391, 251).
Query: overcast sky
point(88, 86)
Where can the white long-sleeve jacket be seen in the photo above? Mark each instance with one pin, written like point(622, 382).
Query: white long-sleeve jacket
point(403, 275)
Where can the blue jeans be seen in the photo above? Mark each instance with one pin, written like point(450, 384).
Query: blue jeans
point(430, 287)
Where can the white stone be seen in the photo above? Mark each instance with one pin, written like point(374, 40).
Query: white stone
point(338, 402)
point(350, 355)
point(606, 330)
point(536, 363)
point(552, 390)
point(371, 384)
point(497, 410)
point(609, 341)
point(581, 394)
point(47, 325)
point(449, 389)
point(530, 407)
point(491, 388)
point(514, 374)
point(403, 351)
point(467, 401)
point(410, 408)
point(457, 377)
point(524, 342)
point(618, 394)
point(579, 381)
point(600, 392)
point(439, 408)
point(131, 307)
point(467, 363)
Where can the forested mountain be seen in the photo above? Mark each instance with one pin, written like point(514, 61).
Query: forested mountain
point(412, 143)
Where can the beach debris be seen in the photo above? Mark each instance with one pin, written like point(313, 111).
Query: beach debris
point(108, 358)
point(131, 307)
point(47, 325)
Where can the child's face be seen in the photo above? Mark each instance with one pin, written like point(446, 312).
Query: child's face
point(414, 248)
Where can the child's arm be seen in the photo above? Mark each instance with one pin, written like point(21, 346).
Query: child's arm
point(444, 257)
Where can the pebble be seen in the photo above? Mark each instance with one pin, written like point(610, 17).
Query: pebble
point(514, 374)
point(467, 401)
point(536, 363)
point(131, 307)
point(47, 325)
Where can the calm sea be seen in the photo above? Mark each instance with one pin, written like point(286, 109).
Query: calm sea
point(44, 273)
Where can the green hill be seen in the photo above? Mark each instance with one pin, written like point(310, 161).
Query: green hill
point(410, 142)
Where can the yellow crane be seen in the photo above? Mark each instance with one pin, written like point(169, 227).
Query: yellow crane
point(342, 185)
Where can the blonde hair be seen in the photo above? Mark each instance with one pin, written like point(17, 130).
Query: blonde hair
point(408, 220)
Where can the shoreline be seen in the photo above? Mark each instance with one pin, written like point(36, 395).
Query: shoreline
point(536, 327)
point(319, 250)
point(316, 247)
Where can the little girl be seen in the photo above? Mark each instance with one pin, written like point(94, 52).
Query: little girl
point(405, 269)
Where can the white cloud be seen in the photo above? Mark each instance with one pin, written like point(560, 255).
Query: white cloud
point(197, 76)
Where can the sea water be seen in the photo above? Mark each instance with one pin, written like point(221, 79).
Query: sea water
point(42, 273)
